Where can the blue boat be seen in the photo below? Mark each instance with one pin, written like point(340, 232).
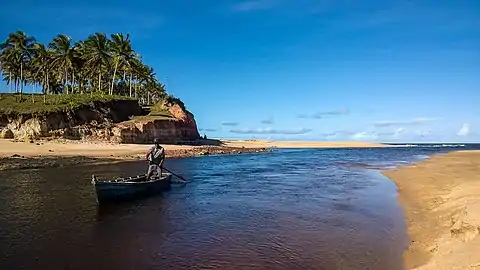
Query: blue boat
point(130, 187)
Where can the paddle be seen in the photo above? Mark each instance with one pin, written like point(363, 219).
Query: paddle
point(175, 174)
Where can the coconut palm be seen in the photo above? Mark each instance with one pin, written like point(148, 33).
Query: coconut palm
point(122, 55)
point(97, 54)
point(17, 51)
point(62, 57)
point(41, 65)
point(64, 66)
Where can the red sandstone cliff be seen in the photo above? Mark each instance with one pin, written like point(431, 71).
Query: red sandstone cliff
point(180, 127)
point(108, 121)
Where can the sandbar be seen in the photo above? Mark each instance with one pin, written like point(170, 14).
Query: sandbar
point(441, 200)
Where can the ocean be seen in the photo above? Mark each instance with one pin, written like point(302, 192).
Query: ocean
point(288, 209)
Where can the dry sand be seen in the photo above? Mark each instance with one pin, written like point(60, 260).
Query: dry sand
point(441, 198)
point(297, 144)
point(71, 148)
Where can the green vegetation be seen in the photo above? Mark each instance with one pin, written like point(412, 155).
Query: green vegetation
point(156, 112)
point(39, 105)
point(97, 65)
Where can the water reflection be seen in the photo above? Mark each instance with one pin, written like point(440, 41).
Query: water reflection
point(274, 211)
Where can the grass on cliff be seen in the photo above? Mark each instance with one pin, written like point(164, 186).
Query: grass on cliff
point(157, 112)
point(34, 103)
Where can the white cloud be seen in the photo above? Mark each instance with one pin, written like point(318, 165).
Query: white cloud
point(398, 132)
point(231, 124)
point(413, 121)
point(464, 130)
point(320, 115)
point(271, 131)
point(207, 129)
point(424, 133)
point(267, 121)
point(365, 136)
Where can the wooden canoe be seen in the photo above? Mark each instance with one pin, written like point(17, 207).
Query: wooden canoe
point(130, 187)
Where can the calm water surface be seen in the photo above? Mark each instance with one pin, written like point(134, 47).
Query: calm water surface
point(291, 209)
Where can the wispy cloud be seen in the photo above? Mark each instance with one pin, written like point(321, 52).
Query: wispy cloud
point(230, 124)
point(337, 133)
point(423, 133)
point(246, 6)
point(367, 136)
point(414, 121)
point(271, 131)
point(267, 121)
point(207, 129)
point(464, 130)
point(320, 115)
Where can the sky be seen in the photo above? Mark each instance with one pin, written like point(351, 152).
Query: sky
point(325, 70)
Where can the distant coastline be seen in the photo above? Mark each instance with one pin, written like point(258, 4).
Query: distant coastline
point(38, 154)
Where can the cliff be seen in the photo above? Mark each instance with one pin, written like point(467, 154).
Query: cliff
point(181, 126)
point(121, 121)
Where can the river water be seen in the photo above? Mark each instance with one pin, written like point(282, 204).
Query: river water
point(289, 209)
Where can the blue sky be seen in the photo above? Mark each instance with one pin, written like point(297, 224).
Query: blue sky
point(296, 70)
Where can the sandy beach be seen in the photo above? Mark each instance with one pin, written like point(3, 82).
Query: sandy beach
point(441, 200)
point(73, 148)
point(38, 154)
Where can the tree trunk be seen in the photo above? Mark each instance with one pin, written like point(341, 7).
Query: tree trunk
point(99, 80)
point(21, 80)
point(135, 90)
point(65, 78)
point(48, 85)
point(130, 85)
point(73, 81)
point(124, 82)
point(10, 81)
point(113, 79)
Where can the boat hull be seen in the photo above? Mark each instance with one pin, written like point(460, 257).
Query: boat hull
point(131, 188)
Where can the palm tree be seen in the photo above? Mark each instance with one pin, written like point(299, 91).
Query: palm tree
point(41, 65)
point(122, 55)
point(79, 65)
point(17, 51)
point(62, 67)
point(62, 57)
point(97, 54)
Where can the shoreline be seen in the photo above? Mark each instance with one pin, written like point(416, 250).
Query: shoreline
point(54, 153)
point(441, 201)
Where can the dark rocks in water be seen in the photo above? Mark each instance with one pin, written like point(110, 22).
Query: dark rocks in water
point(15, 156)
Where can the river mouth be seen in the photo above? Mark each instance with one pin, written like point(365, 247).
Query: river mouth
point(275, 211)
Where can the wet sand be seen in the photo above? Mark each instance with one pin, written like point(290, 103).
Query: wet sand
point(39, 154)
point(441, 199)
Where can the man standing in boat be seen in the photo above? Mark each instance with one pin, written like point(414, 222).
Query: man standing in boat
point(155, 158)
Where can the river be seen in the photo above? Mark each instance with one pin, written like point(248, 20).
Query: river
point(289, 209)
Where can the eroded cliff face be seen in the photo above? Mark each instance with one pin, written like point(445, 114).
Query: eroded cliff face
point(103, 122)
point(180, 128)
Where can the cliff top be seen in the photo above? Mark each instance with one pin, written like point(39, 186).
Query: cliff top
point(40, 104)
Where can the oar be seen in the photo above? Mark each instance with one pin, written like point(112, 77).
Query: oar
point(175, 174)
